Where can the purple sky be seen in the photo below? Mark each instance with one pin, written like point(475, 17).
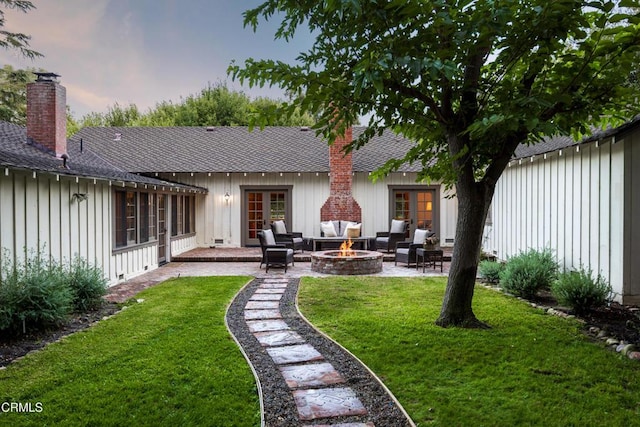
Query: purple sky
point(143, 51)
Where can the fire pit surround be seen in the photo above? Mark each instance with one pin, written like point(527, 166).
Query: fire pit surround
point(346, 261)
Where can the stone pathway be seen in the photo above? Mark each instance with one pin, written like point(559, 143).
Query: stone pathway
point(320, 392)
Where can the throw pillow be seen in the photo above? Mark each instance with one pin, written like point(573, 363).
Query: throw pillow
point(354, 230)
point(419, 236)
point(279, 227)
point(347, 226)
point(269, 238)
point(397, 226)
point(327, 228)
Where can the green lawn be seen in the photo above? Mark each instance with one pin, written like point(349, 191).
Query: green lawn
point(529, 369)
point(166, 361)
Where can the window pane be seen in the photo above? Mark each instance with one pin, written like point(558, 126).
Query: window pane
point(174, 215)
point(131, 217)
point(120, 219)
point(152, 216)
point(144, 217)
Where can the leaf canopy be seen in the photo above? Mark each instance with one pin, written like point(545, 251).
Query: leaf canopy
point(466, 80)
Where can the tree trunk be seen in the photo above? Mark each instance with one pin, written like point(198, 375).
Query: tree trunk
point(473, 204)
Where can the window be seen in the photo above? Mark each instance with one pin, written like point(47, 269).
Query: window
point(183, 218)
point(135, 217)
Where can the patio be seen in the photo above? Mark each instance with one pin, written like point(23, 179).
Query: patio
point(246, 262)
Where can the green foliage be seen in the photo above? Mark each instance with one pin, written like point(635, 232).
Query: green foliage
point(33, 295)
point(87, 284)
point(215, 105)
point(490, 270)
point(13, 40)
point(529, 272)
point(13, 94)
point(40, 293)
point(468, 81)
point(580, 290)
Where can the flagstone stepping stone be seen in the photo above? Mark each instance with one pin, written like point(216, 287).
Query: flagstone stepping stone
point(266, 325)
point(265, 297)
point(261, 305)
point(343, 425)
point(327, 402)
point(262, 314)
point(278, 338)
point(294, 354)
point(311, 375)
point(272, 286)
point(271, 291)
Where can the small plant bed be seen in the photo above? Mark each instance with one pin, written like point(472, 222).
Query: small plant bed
point(18, 345)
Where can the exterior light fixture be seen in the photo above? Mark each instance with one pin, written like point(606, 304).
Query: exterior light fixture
point(227, 197)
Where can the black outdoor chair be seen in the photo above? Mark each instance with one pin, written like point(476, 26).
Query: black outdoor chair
point(274, 254)
point(292, 240)
point(406, 251)
point(387, 240)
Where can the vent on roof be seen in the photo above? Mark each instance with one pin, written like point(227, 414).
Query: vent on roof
point(117, 136)
point(305, 128)
point(210, 128)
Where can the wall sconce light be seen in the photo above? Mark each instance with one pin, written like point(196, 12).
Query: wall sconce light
point(227, 196)
point(79, 197)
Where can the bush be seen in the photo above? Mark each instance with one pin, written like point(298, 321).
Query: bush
point(490, 271)
point(529, 272)
point(41, 293)
point(33, 295)
point(87, 284)
point(579, 290)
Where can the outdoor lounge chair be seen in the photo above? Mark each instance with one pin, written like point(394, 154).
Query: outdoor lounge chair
point(406, 251)
point(292, 240)
point(387, 240)
point(274, 254)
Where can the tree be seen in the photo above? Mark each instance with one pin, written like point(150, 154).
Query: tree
point(13, 40)
point(215, 105)
point(468, 81)
point(13, 94)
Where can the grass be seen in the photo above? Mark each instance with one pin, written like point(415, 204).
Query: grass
point(167, 361)
point(529, 369)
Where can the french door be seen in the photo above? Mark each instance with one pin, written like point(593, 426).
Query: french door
point(260, 208)
point(418, 206)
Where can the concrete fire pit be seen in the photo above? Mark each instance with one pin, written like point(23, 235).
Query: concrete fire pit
point(359, 262)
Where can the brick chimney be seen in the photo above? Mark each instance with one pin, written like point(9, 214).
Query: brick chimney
point(341, 204)
point(47, 114)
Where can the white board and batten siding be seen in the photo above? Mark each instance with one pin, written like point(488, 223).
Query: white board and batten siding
point(572, 201)
point(38, 212)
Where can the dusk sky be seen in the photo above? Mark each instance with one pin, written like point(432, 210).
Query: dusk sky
point(144, 51)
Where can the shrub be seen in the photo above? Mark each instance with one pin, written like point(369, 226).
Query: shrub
point(490, 270)
point(33, 295)
point(529, 272)
point(579, 290)
point(87, 284)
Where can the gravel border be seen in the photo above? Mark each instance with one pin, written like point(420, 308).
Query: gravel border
point(278, 405)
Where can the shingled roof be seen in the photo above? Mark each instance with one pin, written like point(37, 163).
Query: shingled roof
point(555, 143)
point(16, 152)
point(231, 149)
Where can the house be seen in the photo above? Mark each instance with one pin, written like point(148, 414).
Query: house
point(581, 199)
point(129, 199)
point(256, 177)
point(64, 200)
